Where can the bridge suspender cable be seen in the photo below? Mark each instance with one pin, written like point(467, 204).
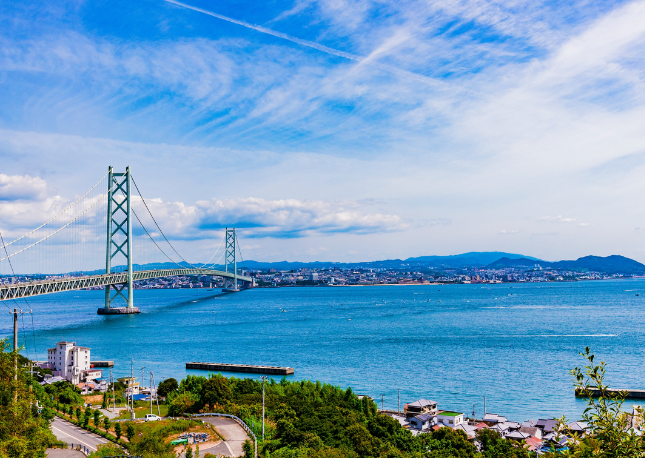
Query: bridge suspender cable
point(55, 232)
point(153, 240)
point(67, 208)
point(153, 219)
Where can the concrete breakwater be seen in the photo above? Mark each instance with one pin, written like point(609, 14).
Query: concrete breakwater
point(610, 392)
point(217, 367)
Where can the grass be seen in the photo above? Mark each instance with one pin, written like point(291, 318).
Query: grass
point(141, 412)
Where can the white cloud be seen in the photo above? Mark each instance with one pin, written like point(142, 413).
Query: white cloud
point(292, 217)
point(558, 219)
point(18, 187)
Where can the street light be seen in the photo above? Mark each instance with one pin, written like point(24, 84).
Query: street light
point(264, 379)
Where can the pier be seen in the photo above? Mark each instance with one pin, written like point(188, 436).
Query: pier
point(595, 393)
point(217, 367)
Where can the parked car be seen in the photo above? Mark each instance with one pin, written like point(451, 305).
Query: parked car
point(151, 417)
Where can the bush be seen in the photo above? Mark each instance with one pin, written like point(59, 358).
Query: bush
point(107, 450)
point(117, 430)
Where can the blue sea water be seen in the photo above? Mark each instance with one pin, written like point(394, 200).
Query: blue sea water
point(455, 344)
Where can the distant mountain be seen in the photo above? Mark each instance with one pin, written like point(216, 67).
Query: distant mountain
point(506, 262)
point(610, 264)
point(473, 258)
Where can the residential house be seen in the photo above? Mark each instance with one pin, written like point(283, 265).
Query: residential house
point(492, 419)
point(420, 407)
point(450, 419)
point(423, 421)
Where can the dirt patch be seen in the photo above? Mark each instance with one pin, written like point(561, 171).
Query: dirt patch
point(93, 399)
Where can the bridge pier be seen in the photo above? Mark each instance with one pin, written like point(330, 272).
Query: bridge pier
point(230, 285)
point(117, 239)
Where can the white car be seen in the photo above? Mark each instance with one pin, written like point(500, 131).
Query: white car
point(151, 417)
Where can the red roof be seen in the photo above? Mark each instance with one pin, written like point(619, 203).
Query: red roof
point(436, 427)
point(533, 442)
point(481, 425)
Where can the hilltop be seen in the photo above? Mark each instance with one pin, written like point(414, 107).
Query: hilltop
point(609, 264)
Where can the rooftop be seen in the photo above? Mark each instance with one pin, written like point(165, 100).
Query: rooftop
point(449, 413)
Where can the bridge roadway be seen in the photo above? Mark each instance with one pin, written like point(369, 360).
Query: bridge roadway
point(40, 287)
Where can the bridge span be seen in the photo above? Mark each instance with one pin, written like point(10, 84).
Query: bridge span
point(40, 287)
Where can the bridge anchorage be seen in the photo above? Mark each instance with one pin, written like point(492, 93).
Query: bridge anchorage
point(122, 244)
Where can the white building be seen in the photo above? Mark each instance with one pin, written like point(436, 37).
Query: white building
point(71, 362)
point(450, 419)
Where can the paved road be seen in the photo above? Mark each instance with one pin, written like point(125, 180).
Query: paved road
point(233, 433)
point(72, 434)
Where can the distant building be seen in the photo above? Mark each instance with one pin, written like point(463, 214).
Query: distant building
point(313, 276)
point(71, 362)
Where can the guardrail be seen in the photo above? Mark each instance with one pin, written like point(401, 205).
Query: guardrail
point(237, 419)
point(80, 447)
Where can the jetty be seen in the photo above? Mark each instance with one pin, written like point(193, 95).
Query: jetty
point(219, 367)
point(612, 392)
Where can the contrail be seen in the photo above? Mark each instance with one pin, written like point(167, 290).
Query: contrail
point(284, 36)
point(314, 45)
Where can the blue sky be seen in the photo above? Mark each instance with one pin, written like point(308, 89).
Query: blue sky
point(336, 129)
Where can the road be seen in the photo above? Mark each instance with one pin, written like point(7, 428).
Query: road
point(72, 434)
point(233, 433)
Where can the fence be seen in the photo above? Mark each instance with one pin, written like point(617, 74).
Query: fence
point(80, 447)
point(237, 419)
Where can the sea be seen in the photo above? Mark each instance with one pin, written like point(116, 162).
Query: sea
point(510, 346)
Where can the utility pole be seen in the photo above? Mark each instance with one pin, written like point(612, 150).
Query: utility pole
point(142, 387)
point(113, 398)
point(264, 378)
point(15, 354)
point(399, 407)
point(484, 406)
point(131, 389)
point(152, 381)
point(15, 345)
point(382, 402)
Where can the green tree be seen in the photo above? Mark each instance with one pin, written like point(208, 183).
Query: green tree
point(197, 450)
point(97, 417)
point(129, 431)
point(189, 451)
point(447, 442)
point(215, 390)
point(79, 412)
point(105, 402)
point(610, 435)
point(495, 446)
point(166, 387)
point(24, 432)
point(106, 423)
point(117, 430)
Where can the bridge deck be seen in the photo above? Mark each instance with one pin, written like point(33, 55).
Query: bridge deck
point(38, 288)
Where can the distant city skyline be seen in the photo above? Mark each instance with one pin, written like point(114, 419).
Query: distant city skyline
point(335, 131)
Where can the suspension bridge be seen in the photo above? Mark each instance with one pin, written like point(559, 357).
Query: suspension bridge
point(63, 253)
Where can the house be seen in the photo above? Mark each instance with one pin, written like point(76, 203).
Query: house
point(531, 431)
point(533, 444)
point(470, 430)
point(578, 427)
point(423, 421)
point(517, 436)
point(132, 386)
point(71, 362)
point(420, 407)
point(547, 426)
point(492, 419)
point(505, 427)
point(449, 418)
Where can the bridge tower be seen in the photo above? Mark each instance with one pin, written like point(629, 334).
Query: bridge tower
point(119, 240)
point(230, 261)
